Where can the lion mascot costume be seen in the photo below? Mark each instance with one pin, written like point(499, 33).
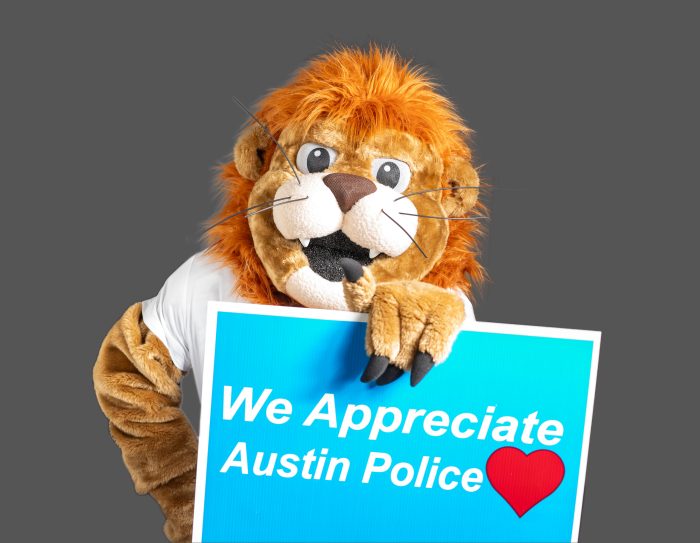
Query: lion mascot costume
point(351, 188)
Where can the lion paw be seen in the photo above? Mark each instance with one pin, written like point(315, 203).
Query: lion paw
point(411, 326)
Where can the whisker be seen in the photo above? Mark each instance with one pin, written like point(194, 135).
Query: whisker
point(433, 190)
point(406, 232)
point(474, 218)
point(267, 131)
point(232, 215)
point(276, 205)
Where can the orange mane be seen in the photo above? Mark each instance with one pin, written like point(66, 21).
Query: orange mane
point(366, 91)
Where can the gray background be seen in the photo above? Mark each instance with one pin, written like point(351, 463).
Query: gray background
point(114, 116)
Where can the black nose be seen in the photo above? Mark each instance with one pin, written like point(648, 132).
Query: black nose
point(348, 188)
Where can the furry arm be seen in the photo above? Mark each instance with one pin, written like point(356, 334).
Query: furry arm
point(138, 389)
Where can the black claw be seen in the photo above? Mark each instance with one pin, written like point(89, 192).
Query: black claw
point(375, 367)
point(352, 269)
point(422, 364)
point(391, 374)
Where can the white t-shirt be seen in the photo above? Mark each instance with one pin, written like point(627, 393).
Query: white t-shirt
point(178, 314)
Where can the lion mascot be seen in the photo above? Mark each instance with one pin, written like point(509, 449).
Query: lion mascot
point(351, 188)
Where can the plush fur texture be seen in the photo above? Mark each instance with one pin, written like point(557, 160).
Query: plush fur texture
point(305, 287)
point(245, 155)
point(361, 103)
point(406, 317)
point(232, 242)
point(364, 105)
point(359, 294)
point(367, 92)
point(137, 387)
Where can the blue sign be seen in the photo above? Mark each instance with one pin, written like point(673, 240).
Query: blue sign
point(490, 447)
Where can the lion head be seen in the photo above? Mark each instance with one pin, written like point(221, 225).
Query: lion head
point(357, 156)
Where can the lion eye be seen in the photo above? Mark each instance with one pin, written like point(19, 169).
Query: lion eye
point(393, 173)
point(314, 158)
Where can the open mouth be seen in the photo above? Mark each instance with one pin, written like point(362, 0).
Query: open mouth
point(324, 254)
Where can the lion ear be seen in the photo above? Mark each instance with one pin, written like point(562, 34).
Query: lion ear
point(249, 151)
point(460, 173)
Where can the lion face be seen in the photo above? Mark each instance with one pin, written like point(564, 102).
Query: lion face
point(373, 164)
point(347, 201)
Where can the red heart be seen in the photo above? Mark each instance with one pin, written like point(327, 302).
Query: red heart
point(524, 480)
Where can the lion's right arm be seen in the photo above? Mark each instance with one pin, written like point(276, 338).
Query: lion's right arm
point(138, 389)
